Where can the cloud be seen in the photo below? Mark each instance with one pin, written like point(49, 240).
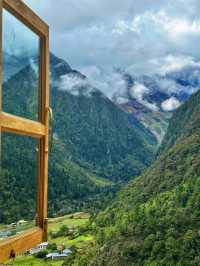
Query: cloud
point(74, 85)
point(110, 82)
point(138, 91)
point(168, 85)
point(129, 34)
point(121, 100)
point(143, 37)
point(170, 104)
point(34, 66)
point(163, 65)
point(173, 63)
point(83, 13)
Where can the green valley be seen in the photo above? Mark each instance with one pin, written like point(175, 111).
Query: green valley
point(99, 133)
point(97, 147)
point(154, 221)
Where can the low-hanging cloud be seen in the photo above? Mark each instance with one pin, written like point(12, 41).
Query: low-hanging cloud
point(74, 85)
point(170, 104)
point(138, 91)
point(110, 82)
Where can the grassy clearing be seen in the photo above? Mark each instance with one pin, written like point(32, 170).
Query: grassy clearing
point(75, 220)
point(100, 181)
point(79, 242)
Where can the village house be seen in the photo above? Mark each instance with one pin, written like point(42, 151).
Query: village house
point(59, 256)
point(38, 248)
point(21, 222)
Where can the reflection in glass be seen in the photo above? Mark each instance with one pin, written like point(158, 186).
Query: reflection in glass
point(20, 68)
point(18, 184)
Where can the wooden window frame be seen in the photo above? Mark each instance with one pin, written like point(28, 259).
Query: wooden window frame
point(26, 127)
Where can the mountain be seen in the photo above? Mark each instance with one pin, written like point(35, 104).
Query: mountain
point(97, 133)
point(97, 146)
point(152, 99)
point(13, 64)
point(155, 220)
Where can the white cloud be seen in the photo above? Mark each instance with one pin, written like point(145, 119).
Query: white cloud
point(168, 86)
point(74, 85)
point(110, 82)
point(138, 91)
point(127, 33)
point(175, 26)
point(173, 63)
point(170, 104)
point(142, 36)
point(121, 100)
point(34, 66)
point(163, 65)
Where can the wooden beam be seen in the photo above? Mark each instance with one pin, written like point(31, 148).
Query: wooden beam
point(20, 243)
point(22, 126)
point(1, 60)
point(42, 202)
point(27, 16)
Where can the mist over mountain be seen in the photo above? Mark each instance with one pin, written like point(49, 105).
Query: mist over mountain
point(96, 130)
point(150, 98)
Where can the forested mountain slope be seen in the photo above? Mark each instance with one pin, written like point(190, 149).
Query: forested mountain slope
point(97, 133)
point(155, 220)
point(94, 142)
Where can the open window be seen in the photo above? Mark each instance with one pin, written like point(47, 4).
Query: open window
point(23, 125)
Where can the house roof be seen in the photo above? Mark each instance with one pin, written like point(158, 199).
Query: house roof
point(43, 244)
point(56, 255)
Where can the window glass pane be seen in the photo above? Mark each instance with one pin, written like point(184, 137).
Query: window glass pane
point(20, 68)
point(18, 174)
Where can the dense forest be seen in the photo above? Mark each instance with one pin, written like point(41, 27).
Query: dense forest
point(155, 220)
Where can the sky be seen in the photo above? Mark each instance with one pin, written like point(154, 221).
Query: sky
point(140, 36)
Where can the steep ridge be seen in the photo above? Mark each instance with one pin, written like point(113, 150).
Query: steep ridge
point(155, 220)
point(97, 133)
